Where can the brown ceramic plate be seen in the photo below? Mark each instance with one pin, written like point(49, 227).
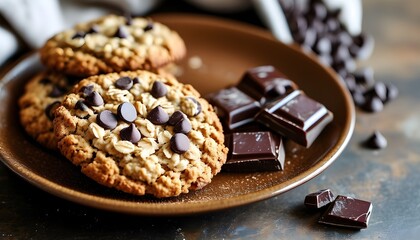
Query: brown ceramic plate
point(226, 49)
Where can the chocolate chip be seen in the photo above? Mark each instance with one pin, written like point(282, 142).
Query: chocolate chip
point(373, 104)
point(49, 110)
point(130, 133)
point(176, 117)
point(376, 141)
point(107, 119)
point(378, 90)
point(364, 76)
point(322, 45)
point(158, 89)
point(57, 92)
point(81, 105)
point(79, 35)
point(319, 11)
point(86, 90)
point(121, 32)
point(362, 46)
point(149, 26)
point(136, 80)
point(124, 83)
point(183, 126)
point(358, 98)
point(179, 143)
point(127, 112)
point(391, 92)
point(195, 105)
point(94, 99)
point(158, 116)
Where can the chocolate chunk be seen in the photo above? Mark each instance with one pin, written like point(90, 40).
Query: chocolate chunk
point(297, 117)
point(183, 126)
point(158, 89)
point(57, 92)
point(347, 212)
point(79, 35)
point(127, 112)
point(81, 105)
point(121, 32)
point(376, 141)
point(158, 116)
point(49, 110)
point(254, 151)
point(86, 90)
point(149, 26)
point(94, 99)
point(191, 106)
point(319, 199)
point(373, 104)
point(265, 83)
point(179, 143)
point(130, 133)
point(234, 107)
point(107, 119)
point(124, 83)
point(176, 117)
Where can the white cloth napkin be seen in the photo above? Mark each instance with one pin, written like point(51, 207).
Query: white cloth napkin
point(34, 21)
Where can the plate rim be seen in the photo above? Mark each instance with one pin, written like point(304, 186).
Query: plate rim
point(171, 209)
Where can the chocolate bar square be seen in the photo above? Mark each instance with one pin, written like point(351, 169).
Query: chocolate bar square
point(319, 199)
point(234, 107)
point(265, 83)
point(254, 151)
point(297, 117)
point(347, 212)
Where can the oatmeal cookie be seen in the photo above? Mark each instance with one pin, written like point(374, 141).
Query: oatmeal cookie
point(42, 95)
point(141, 133)
point(112, 44)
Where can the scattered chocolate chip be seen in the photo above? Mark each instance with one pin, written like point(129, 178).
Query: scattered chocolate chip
point(376, 141)
point(130, 133)
point(179, 143)
point(378, 90)
point(362, 46)
point(49, 110)
point(391, 92)
point(124, 83)
point(176, 117)
point(81, 105)
point(121, 32)
point(57, 92)
point(319, 199)
point(364, 76)
point(373, 104)
point(94, 99)
point(79, 35)
point(322, 45)
point(183, 126)
point(158, 116)
point(347, 212)
point(158, 89)
point(86, 90)
point(358, 98)
point(107, 119)
point(149, 26)
point(127, 112)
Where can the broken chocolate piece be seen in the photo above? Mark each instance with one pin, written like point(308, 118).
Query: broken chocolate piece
point(297, 117)
point(319, 199)
point(254, 151)
point(234, 107)
point(376, 141)
point(347, 212)
point(265, 83)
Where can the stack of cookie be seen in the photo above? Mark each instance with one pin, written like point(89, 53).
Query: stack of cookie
point(105, 104)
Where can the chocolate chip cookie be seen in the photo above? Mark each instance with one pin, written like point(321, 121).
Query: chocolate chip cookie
point(42, 95)
point(141, 133)
point(112, 44)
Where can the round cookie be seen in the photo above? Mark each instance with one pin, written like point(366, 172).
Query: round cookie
point(42, 95)
point(141, 133)
point(112, 44)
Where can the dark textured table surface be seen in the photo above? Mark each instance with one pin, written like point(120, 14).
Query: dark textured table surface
point(389, 178)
